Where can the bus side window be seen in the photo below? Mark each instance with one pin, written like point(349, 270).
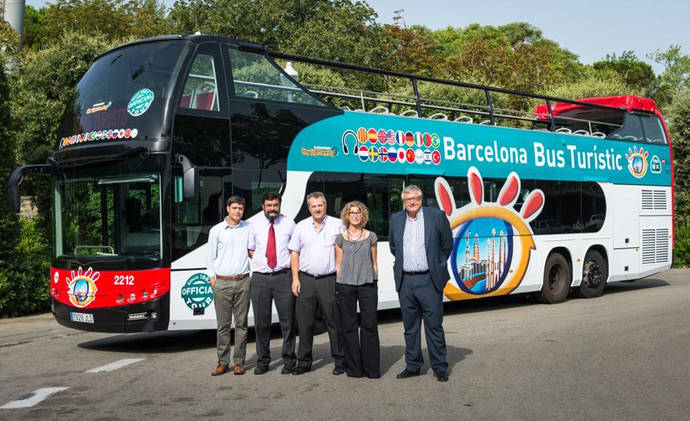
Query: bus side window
point(379, 192)
point(254, 76)
point(194, 218)
point(201, 88)
point(631, 131)
point(653, 130)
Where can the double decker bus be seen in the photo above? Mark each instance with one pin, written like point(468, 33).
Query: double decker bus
point(544, 195)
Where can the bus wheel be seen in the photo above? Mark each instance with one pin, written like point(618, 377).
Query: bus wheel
point(595, 272)
point(557, 279)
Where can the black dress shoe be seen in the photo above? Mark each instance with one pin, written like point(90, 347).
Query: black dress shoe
point(300, 370)
point(441, 376)
point(287, 370)
point(260, 369)
point(407, 374)
point(338, 370)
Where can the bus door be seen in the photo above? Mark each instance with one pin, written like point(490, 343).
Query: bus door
point(201, 147)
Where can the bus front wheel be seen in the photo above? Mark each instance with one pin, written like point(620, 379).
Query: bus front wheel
point(595, 272)
point(557, 279)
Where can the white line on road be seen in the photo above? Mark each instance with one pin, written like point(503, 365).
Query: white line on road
point(35, 397)
point(114, 366)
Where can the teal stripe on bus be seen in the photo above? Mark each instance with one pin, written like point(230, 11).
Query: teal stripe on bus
point(389, 144)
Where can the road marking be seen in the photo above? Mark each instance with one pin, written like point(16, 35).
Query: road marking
point(34, 397)
point(114, 366)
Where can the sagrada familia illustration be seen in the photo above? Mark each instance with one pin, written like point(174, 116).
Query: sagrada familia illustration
point(477, 269)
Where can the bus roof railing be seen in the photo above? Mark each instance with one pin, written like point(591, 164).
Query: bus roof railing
point(418, 103)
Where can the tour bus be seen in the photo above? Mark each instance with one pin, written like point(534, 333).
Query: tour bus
point(544, 195)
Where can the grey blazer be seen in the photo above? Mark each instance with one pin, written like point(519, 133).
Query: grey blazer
point(438, 241)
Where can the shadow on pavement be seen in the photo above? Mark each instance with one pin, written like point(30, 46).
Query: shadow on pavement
point(178, 341)
point(618, 287)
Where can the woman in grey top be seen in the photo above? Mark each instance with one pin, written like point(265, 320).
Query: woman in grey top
point(355, 254)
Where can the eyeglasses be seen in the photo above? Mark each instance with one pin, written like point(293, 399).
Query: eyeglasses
point(354, 213)
point(413, 199)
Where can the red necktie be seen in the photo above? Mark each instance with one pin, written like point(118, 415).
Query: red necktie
point(271, 247)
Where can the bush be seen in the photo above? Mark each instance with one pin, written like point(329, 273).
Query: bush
point(24, 277)
point(681, 250)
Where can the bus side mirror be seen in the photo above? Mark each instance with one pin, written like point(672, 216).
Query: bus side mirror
point(16, 179)
point(190, 178)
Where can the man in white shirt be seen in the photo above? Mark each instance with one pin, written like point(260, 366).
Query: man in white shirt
point(269, 236)
point(228, 268)
point(313, 280)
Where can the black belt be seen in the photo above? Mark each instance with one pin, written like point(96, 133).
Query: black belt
point(278, 272)
point(416, 273)
point(317, 276)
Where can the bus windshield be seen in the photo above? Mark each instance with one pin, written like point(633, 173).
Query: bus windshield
point(124, 91)
point(109, 216)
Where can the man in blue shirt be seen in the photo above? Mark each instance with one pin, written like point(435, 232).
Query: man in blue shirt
point(421, 240)
point(228, 268)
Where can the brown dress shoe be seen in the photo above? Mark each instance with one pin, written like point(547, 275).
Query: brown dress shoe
point(238, 370)
point(221, 369)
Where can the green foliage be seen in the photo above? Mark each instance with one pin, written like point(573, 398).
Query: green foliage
point(634, 72)
point(513, 56)
point(678, 117)
point(8, 221)
point(681, 250)
point(675, 79)
point(593, 84)
point(34, 24)
point(24, 276)
point(112, 18)
point(329, 29)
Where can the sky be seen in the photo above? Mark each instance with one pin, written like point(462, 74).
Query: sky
point(591, 29)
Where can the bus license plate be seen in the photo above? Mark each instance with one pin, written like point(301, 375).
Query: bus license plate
point(81, 317)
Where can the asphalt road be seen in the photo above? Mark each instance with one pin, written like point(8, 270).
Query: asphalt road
point(623, 356)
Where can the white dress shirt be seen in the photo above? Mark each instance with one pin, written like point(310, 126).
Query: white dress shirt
point(227, 249)
point(258, 238)
point(414, 252)
point(316, 248)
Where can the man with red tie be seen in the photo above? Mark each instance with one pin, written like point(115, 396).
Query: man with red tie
point(269, 236)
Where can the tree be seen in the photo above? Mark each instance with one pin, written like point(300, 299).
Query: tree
point(34, 24)
point(636, 73)
point(113, 18)
point(8, 220)
point(675, 79)
point(593, 84)
point(340, 30)
point(513, 56)
point(410, 50)
point(678, 117)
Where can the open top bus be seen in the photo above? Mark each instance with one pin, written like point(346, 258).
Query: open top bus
point(544, 195)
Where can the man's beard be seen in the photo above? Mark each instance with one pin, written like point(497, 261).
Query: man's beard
point(272, 216)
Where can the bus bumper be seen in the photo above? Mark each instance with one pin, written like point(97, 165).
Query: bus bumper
point(140, 317)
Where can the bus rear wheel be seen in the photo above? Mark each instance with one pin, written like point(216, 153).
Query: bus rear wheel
point(557, 279)
point(595, 272)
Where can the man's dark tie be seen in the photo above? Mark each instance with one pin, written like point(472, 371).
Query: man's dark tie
point(271, 247)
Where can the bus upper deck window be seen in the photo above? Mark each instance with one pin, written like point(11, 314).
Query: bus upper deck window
point(630, 131)
point(653, 130)
point(255, 76)
point(201, 89)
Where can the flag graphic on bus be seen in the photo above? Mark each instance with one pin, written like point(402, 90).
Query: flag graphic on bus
point(372, 145)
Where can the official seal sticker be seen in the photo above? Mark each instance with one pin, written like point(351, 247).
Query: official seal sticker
point(197, 291)
point(140, 102)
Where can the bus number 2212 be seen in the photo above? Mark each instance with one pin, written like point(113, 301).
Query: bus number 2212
point(124, 280)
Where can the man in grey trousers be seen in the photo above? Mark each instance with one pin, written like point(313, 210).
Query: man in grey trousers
point(228, 268)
